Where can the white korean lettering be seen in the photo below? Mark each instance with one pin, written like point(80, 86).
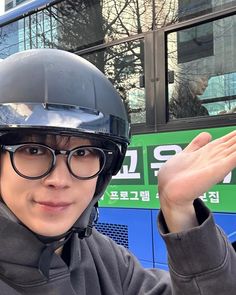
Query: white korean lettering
point(114, 195)
point(214, 197)
point(128, 172)
point(157, 152)
point(145, 196)
point(124, 196)
point(134, 196)
point(203, 197)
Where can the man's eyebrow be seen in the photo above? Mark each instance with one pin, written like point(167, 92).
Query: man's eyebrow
point(34, 137)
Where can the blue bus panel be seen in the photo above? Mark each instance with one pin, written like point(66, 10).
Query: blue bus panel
point(227, 222)
point(131, 228)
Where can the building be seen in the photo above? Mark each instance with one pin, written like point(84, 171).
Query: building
point(9, 4)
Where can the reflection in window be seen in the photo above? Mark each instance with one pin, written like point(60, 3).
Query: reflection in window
point(191, 8)
point(83, 24)
point(199, 39)
point(8, 40)
point(75, 25)
point(123, 64)
point(35, 31)
point(203, 85)
point(220, 95)
point(172, 11)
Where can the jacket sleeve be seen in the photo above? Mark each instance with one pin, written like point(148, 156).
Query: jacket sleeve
point(201, 260)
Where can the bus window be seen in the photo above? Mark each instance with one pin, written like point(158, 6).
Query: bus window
point(176, 11)
point(202, 62)
point(123, 64)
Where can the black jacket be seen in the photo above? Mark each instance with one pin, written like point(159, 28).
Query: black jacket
point(201, 262)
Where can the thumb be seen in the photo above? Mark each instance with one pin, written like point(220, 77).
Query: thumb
point(199, 141)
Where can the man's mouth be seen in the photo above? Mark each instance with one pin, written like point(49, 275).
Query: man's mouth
point(53, 206)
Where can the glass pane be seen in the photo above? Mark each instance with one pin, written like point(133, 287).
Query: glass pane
point(82, 24)
point(9, 40)
point(123, 64)
point(202, 70)
point(19, 1)
point(172, 11)
point(75, 25)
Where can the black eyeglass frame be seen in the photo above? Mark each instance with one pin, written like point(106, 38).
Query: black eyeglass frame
point(14, 147)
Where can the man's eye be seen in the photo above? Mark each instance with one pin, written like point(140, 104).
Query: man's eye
point(33, 150)
point(81, 153)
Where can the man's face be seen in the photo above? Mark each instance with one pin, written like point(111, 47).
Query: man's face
point(48, 206)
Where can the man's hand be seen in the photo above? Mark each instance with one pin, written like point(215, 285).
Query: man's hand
point(192, 172)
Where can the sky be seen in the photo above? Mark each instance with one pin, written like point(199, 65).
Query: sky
point(2, 2)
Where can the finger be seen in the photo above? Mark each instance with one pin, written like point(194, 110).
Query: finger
point(221, 168)
point(199, 141)
point(222, 144)
point(228, 137)
point(231, 152)
point(227, 144)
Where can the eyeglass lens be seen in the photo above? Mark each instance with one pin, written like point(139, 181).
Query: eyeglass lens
point(33, 160)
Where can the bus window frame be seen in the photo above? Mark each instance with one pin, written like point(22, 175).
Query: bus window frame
point(161, 67)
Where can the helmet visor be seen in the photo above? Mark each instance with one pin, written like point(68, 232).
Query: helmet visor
point(64, 117)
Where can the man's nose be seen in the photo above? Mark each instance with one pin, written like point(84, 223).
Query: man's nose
point(60, 176)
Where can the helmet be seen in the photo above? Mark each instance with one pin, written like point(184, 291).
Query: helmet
point(54, 91)
point(59, 91)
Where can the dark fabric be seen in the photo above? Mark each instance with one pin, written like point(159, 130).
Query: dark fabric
point(97, 266)
point(201, 260)
point(186, 107)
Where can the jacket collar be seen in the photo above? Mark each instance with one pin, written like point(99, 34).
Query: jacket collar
point(20, 252)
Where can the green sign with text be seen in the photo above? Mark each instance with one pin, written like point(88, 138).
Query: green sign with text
point(135, 186)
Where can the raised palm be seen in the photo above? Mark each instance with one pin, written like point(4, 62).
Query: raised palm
point(200, 165)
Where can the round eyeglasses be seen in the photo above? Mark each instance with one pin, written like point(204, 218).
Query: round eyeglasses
point(34, 161)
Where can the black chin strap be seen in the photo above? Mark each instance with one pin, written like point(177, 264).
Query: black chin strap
point(86, 232)
point(46, 255)
point(54, 243)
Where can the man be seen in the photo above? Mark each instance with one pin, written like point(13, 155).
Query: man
point(185, 101)
point(64, 133)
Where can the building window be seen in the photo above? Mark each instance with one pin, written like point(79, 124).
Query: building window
point(8, 5)
point(19, 1)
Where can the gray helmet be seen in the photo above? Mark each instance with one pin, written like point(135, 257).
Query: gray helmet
point(54, 91)
point(58, 90)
